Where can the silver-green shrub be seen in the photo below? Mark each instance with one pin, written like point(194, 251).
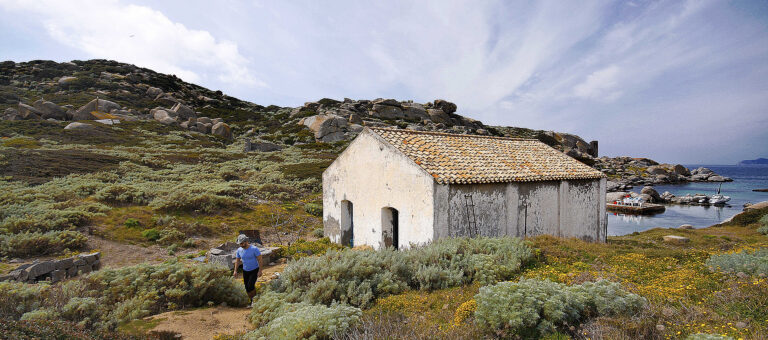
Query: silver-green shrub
point(533, 308)
point(309, 322)
point(109, 297)
point(35, 243)
point(754, 263)
point(359, 277)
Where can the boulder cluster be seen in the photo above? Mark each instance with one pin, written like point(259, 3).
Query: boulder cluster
point(625, 173)
point(650, 195)
point(54, 270)
point(331, 120)
point(96, 109)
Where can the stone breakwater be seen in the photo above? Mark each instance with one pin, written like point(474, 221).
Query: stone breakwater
point(54, 270)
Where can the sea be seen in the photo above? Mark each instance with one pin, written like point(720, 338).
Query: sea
point(745, 178)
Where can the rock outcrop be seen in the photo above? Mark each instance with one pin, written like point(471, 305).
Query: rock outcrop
point(55, 270)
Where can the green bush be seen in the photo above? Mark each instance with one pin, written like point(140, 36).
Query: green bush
point(110, 297)
point(534, 308)
point(132, 223)
point(310, 322)
point(58, 330)
point(753, 263)
point(359, 277)
point(170, 236)
point(35, 243)
point(122, 194)
point(205, 202)
point(302, 248)
point(319, 232)
point(314, 209)
point(151, 234)
point(763, 230)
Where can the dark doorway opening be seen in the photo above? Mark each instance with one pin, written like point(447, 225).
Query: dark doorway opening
point(347, 224)
point(390, 227)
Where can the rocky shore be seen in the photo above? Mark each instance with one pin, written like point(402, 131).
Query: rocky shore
point(626, 172)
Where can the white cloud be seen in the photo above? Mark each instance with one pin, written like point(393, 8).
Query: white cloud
point(599, 85)
point(139, 35)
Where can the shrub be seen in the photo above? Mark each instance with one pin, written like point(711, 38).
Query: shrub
point(170, 236)
point(121, 193)
point(302, 248)
point(58, 330)
point(151, 234)
point(753, 263)
point(109, 297)
point(319, 232)
point(35, 243)
point(132, 223)
point(359, 277)
point(533, 308)
point(310, 322)
point(314, 209)
point(763, 230)
point(203, 202)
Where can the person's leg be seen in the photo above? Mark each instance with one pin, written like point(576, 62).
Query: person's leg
point(254, 275)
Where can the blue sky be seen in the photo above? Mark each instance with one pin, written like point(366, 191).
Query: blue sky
point(676, 81)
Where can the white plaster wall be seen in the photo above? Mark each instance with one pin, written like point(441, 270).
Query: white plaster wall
point(372, 175)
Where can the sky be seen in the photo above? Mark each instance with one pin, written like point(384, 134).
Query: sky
point(676, 81)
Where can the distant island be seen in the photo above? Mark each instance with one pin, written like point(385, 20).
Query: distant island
point(752, 162)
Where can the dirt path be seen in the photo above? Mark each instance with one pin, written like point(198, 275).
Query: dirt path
point(116, 255)
point(203, 324)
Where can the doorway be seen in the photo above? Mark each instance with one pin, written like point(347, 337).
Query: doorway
point(390, 227)
point(347, 224)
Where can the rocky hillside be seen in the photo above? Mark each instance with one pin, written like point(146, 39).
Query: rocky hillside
point(106, 92)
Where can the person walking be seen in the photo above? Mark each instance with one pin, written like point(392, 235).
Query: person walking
point(250, 257)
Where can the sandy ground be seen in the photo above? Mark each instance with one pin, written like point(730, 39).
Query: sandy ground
point(204, 324)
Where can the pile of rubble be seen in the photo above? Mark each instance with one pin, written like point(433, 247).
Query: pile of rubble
point(224, 254)
point(54, 270)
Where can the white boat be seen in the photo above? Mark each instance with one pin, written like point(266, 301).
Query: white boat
point(717, 198)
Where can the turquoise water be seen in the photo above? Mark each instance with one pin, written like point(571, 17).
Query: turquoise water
point(744, 180)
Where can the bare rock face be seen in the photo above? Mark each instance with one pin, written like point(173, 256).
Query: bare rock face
point(50, 110)
point(96, 105)
point(154, 92)
point(28, 112)
point(222, 130)
point(184, 112)
point(66, 80)
point(650, 191)
point(656, 170)
point(414, 111)
point(387, 111)
point(681, 170)
point(438, 116)
point(674, 239)
point(327, 128)
point(163, 116)
point(445, 105)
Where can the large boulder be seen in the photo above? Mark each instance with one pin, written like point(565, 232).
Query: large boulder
point(681, 170)
point(261, 146)
point(438, 116)
point(656, 170)
point(327, 128)
point(184, 112)
point(414, 111)
point(11, 114)
point(28, 112)
point(66, 80)
point(163, 116)
point(650, 191)
point(41, 268)
point(154, 92)
point(445, 105)
point(222, 130)
point(615, 196)
point(387, 111)
point(50, 110)
point(387, 102)
point(95, 107)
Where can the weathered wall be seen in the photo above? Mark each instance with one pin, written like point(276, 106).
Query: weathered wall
point(561, 208)
point(373, 175)
point(489, 209)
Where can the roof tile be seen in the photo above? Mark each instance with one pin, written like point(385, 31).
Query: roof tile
point(452, 158)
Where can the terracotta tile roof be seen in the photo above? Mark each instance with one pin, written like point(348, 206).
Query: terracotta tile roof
point(452, 158)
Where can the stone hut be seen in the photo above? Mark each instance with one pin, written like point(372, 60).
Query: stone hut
point(397, 188)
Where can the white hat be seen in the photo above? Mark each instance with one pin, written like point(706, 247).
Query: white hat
point(242, 238)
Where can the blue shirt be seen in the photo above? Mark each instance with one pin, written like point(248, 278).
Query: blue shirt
point(249, 257)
